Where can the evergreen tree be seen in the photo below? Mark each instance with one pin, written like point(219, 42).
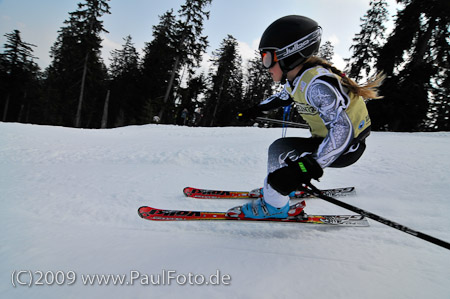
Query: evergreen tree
point(191, 98)
point(125, 60)
point(326, 51)
point(415, 58)
point(258, 83)
point(190, 44)
point(225, 93)
point(439, 113)
point(77, 74)
point(19, 75)
point(158, 61)
point(196, 87)
point(126, 94)
point(368, 41)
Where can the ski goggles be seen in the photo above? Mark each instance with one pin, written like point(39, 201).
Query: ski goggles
point(269, 58)
point(272, 56)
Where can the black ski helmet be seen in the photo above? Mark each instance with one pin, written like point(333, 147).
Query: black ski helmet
point(293, 39)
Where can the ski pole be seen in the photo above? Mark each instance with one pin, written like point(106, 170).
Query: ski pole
point(282, 122)
point(316, 192)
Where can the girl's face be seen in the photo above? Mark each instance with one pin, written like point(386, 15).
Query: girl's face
point(275, 72)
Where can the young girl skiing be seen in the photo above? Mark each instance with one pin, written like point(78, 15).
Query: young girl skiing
point(331, 103)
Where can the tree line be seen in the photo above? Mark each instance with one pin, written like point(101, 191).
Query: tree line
point(77, 89)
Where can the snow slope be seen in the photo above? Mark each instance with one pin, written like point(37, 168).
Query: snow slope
point(69, 199)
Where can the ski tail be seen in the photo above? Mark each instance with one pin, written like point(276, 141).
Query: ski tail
point(217, 194)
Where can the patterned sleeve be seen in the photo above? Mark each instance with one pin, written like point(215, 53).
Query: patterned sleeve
point(331, 106)
point(275, 101)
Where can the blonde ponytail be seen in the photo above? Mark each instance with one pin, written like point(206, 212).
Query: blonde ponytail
point(367, 91)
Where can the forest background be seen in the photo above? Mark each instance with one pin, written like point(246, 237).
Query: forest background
point(163, 82)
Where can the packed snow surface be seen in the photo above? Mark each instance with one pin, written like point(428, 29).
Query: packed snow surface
point(69, 200)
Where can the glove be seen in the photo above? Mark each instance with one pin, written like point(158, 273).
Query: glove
point(287, 179)
point(249, 114)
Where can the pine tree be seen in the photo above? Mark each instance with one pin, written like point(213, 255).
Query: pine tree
point(126, 93)
point(125, 60)
point(76, 75)
point(258, 83)
point(326, 51)
point(368, 41)
point(226, 77)
point(158, 61)
point(19, 75)
point(191, 97)
point(190, 44)
point(438, 117)
point(415, 58)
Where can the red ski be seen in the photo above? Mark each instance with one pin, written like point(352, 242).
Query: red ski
point(296, 215)
point(256, 193)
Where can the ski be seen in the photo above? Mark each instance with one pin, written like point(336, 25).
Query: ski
point(256, 193)
point(154, 214)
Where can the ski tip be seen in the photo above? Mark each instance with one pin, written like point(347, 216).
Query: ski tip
point(140, 210)
point(185, 190)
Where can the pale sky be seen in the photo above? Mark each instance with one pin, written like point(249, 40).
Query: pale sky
point(39, 22)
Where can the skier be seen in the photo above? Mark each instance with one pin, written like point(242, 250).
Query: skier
point(331, 103)
point(184, 116)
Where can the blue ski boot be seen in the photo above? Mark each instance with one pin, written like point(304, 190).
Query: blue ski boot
point(259, 209)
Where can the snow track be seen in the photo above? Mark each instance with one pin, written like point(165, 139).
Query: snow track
point(69, 199)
